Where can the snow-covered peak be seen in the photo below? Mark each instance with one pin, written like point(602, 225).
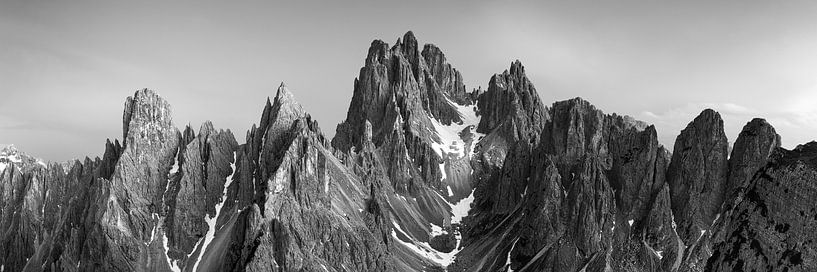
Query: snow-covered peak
point(9, 155)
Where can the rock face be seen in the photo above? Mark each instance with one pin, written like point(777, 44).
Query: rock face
point(421, 176)
point(751, 152)
point(405, 95)
point(773, 227)
point(312, 213)
point(448, 79)
point(589, 208)
point(511, 101)
point(697, 175)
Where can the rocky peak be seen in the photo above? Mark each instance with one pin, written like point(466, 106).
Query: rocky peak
point(398, 80)
point(751, 151)
point(151, 141)
point(576, 128)
point(411, 51)
point(278, 116)
point(109, 158)
point(697, 175)
point(10, 155)
point(285, 104)
point(517, 69)
point(378, 51)
point(511, 99)
point(147, 119)
point(445, 76)
point(409, 43)
point(8, 150)
point(206, 129)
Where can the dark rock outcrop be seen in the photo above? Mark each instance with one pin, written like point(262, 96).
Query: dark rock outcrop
point(773, 227)
point(589, 208)
point(401, 92)
point(660, 233)
point(309, 218)
point(543, 224)
point(447, 78)
point(576, 129)
point(511, 102)
point(751, 152)
point(697, 175)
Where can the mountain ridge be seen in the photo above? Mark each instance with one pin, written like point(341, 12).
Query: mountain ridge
point(420, 175)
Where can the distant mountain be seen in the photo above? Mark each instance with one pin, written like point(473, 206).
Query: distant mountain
point(422, 175)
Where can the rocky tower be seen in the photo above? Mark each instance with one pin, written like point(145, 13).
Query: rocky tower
point(512, 101)
point(751, 152)
point(697, 175)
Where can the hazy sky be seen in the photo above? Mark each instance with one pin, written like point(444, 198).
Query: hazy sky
point(66, 67)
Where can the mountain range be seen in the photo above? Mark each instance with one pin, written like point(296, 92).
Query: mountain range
point(422, 175)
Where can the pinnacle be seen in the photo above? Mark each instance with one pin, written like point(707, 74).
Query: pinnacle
point(284, 96)
point(143, 108)
point(284, 101)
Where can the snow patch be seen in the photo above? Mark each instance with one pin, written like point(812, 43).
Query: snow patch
point(45, 199)
point(325, 185)
point(508, 261)
point(437, 230)
point(460, 209)
point(450, 141)
point(9, 159)
point(14, 158)
point(660, 254)
point(613, 228)
point(630, 222)
point(674, 226)
point(450, 193)
point(159, 227)
point(175, 168)
point(173, 264)
point(424, 249)
point(442, 171)
point(211, 221)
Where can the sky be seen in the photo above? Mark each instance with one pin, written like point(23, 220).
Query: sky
point(66, 67)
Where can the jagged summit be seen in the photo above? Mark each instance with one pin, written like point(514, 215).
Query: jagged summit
point(10, 155)
point(402, 81)
point(284, 103)
point(147, 113)
point(283, 111)
point(755, 143)
point(697, 174)
point(283, 95)
point(517, 68)
point(511, 97)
